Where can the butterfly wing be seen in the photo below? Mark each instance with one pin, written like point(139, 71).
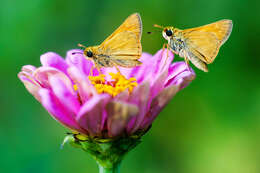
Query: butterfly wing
point(195, 57)
point(221, 29)
point(207, 39)
point(133, 24)
point(102, 61)
point(205, 44)
point(124, 46)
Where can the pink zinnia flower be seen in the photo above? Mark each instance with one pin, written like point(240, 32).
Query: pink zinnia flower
point(108, 105)
point(109, 112)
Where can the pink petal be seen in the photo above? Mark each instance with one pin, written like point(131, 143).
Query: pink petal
point(140, 97)
point(64, 95)
point(30, 85)
point(118, 116)
point(54, 60)
point(163, 60)
point(157, 83)
point(123, 96)
point(145, 58)
point(92, 114)
point(43, 74)
point(144, 71)
point(154, 66)
point(29, 69)
point(27, 74)
point(124, 71)
point(85, 88)
point(158, 103)
point(58, 111)
point(179, 74)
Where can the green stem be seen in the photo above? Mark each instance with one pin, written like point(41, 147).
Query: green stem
point(115, 169)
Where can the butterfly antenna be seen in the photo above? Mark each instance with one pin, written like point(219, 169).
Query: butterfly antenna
point(155, 30)
point(167, 54)
point(150, 32)
point(81, 45)
point(158, 26)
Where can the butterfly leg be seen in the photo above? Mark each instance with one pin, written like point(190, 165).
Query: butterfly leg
point(167, 53)
point(187, 62)
point(118, 69)
point(163, 49)
point(99, 71)
point(91, 70)
point(163, 46)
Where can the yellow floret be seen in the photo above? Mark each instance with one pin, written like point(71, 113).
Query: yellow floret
point(117, 85)
point(75, 87)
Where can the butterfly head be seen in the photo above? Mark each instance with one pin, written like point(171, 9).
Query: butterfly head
point(168, 32)
point(88, 52)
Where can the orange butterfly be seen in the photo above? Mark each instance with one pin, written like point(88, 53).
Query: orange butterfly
point(121, 48)
point(199, 45)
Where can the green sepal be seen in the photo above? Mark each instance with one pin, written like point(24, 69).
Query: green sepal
point(107, 152)
point(71, 140)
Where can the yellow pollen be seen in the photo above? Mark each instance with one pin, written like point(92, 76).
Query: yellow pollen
point(75, 87)
point(117, 84)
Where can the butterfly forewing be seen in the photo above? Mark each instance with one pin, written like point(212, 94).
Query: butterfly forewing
point(207, 39)
point(133, 23)
point(124, 46)
point(124, 49)
point(205, 43)
point(222, 29)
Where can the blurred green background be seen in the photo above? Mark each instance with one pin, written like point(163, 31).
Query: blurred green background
point(212, 126)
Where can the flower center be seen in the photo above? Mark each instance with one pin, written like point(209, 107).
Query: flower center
point(117, 84)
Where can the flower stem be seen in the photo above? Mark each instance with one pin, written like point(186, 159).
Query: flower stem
point(115, 169)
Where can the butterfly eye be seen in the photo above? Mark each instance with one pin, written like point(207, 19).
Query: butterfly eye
point(168, 32)
point(89, 54)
